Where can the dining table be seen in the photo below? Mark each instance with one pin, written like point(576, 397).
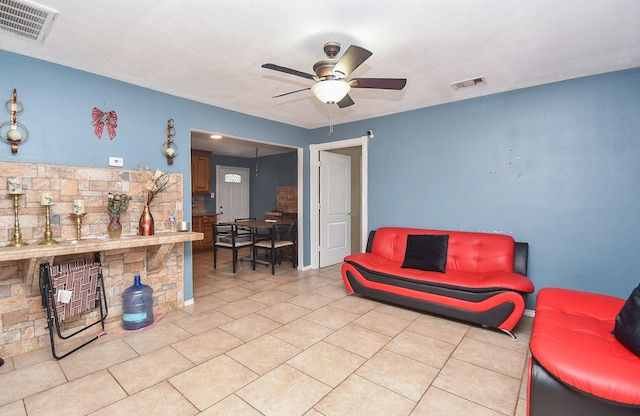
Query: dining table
point(259, 224)
point(264, 224)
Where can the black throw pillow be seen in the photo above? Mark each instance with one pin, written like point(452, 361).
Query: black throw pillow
point(627, 329)
point(426, 252)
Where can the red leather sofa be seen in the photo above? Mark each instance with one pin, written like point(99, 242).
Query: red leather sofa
point(484, 279)
point(578, 367)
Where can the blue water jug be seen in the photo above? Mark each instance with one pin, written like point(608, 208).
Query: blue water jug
point(137, 305)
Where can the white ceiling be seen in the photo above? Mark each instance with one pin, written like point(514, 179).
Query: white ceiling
point(211, 51)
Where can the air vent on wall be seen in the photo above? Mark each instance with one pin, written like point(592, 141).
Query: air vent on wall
point(26, 19)
point(467, 83)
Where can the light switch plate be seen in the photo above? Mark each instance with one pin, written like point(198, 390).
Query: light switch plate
point(116, 161)
point(213, 195)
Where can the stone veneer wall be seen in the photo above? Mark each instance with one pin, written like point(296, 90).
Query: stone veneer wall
point(288, 198)
point(22, 319)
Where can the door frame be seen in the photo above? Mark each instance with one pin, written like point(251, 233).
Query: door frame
point(314, 198)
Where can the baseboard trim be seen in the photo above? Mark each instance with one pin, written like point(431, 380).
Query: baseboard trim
point(529, 312)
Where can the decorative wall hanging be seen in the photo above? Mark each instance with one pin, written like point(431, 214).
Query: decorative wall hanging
point(17, 133)
point(100, 119)
point(169, 148)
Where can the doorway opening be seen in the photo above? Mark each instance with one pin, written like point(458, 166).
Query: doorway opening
point(360, 225)
point(236, 148)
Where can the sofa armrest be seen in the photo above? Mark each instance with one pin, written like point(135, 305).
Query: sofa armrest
point(372, 235)
point(520, 257)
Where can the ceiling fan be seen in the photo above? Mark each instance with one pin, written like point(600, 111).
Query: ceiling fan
point(331, 86)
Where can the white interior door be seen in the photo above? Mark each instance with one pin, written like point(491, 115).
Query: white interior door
point(335, 208)
point(232, 187)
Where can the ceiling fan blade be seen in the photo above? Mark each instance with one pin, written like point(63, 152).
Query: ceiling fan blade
point(351, 59)
point(288, 71)
point(381, 83)
point(345, 102)
point(291, 92)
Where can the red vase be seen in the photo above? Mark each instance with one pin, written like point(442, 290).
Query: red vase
point(145, 227)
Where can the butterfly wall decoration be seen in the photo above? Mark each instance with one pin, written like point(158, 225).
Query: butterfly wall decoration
point(102, 119)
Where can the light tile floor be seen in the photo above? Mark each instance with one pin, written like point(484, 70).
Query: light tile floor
point(292, 343)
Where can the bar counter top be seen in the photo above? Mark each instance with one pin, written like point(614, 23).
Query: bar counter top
point(33, 250)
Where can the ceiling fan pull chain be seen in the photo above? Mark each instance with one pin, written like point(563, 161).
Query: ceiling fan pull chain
point(331, 119)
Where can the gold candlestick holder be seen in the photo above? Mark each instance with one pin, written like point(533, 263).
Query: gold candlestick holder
point(48, 240)
point(17, 235)
point(78, 220)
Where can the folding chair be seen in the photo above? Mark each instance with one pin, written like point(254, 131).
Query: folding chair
point(69, 290)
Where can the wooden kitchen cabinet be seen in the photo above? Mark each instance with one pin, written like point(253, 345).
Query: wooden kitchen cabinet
point(200, 172)
point(204, 224)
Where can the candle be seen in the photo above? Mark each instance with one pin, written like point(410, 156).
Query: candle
point(14, 135)
point(14, 185)
point(78, 206)
point(46, 198)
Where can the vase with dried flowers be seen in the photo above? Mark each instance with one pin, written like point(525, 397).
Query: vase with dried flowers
point(157, 184)
point(117, 205)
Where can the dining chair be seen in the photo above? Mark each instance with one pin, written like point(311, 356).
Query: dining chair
point(259, 233)
point(250, 232)
point(242, 230)
point(227, 237)
point(283, 237)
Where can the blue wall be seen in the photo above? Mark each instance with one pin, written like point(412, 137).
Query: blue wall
point(58, 103)
point(273, 171)
point(556, 166)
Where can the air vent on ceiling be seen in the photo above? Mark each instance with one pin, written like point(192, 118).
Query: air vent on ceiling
point(467, 83)
point(26, 19)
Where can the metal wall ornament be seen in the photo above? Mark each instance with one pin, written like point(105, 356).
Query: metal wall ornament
point(17, 133)
point(170, 148)
point(102, 119)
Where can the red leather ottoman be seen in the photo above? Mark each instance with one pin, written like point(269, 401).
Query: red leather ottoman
point(578, 367)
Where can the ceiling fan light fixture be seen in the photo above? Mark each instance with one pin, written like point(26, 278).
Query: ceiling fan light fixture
point(330, 90)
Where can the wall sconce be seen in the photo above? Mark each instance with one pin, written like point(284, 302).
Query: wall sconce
point(169, 148)
point(17, 133)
